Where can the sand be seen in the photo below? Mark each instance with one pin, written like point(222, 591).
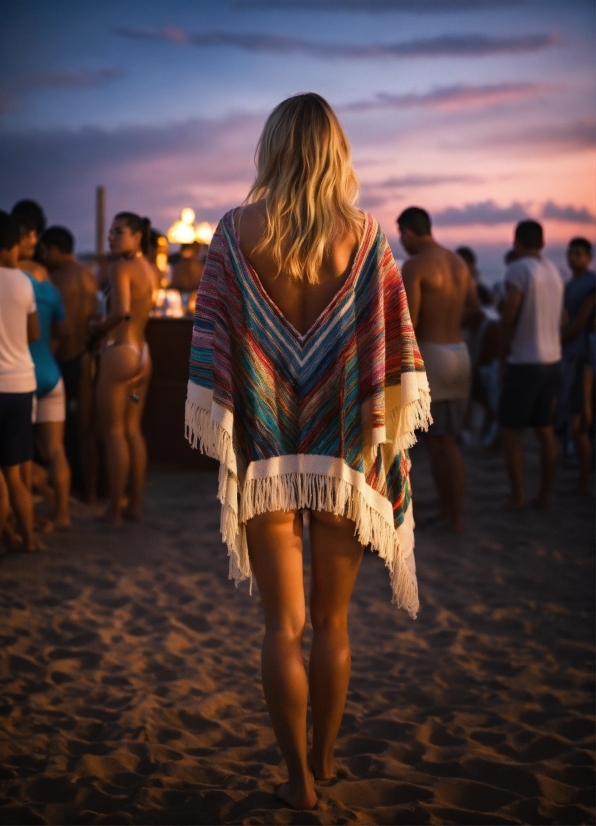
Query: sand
point(130, 689)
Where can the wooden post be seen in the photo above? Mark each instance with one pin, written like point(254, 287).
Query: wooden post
point(100, 221)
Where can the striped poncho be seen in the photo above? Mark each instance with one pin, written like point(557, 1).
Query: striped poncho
point(321, 420)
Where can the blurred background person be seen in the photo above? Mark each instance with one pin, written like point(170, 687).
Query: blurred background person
point(481, 334)
point(439, 289)
point(50, 407)
point(578, 321)
point(125, 365)
point(530, 360)
point(78, 288)
point(188, 271)
point(32, 210)
point(18, 326)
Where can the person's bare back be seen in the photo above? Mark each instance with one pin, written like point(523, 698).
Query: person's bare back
point(299, 301)
point(439, 287)
point(132, 281)
point(78, 288)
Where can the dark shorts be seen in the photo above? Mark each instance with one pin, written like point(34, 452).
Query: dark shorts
point(16, 428)
point(448, 416)
point(71, 374)
point(530, 395)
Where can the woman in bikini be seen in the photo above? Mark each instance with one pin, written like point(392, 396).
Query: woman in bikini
point(306, 383)
point(125, 365)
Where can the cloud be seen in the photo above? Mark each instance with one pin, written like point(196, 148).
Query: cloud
point(568, 213)
point(415, 181)
point(448, 45)
point(455, 97)
point(372, 6)
point(154, 170)
point(546, 137)
point(69, 79)
point(51, 81)
point(486, 213)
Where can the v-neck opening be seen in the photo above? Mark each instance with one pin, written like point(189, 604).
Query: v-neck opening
point(253, 274)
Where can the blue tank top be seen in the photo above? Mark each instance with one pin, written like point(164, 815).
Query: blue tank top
point(50, 308)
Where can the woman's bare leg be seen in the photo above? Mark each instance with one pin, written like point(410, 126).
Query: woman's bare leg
point(51, 438)
point(335, 559)
point(136, 444)
point(118, 365)
point(275, 551)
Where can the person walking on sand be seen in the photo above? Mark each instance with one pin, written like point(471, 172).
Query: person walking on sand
point(307, 385)
point(440, 287)
point(530, 360)
point(19, 325)
point(78, 289)
point(125, 365)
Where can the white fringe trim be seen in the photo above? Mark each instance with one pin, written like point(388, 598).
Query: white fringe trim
point(295, 491)
point(406, 419)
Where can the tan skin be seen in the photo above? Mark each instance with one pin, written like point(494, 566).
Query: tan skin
point(514, 457)
point(276, 551)
point(13, 490)
point(124, 372)
point(49, 436)
point(579, 260)
point(440, 291)
point(78, 289)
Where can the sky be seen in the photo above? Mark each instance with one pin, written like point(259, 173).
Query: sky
point(480, 111)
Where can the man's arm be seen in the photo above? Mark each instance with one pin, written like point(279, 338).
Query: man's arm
point(33, 331)
point(576, 325)
point(509, 313)
point(412, 282)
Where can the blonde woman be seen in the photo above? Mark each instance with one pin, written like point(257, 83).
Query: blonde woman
point(307, 384)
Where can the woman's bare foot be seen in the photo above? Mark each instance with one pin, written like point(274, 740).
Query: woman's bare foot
point(298, 796)
point(62, 523)
point(540, 503)
point(320, 770)
point(43, 524)
point(34, 547)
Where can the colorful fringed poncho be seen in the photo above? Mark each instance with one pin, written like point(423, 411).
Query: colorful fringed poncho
point(317, 421)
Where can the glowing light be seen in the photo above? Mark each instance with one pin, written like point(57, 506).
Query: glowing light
point(188, 215)
point(204, 233)
point(181, 233)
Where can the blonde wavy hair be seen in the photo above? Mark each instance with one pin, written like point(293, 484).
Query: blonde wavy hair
point(305, 175)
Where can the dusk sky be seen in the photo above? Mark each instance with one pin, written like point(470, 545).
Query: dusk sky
point(480, 111)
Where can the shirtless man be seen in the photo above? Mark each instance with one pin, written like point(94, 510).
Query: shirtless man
point(78, 289)
point(125, 366)
point(439, 289)
point(188, 272)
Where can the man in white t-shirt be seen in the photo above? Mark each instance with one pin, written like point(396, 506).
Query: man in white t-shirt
point(530, 360)
point(18, 326)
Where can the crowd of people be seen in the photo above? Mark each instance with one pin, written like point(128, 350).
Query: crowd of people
point(73, 382)
point(525, 351)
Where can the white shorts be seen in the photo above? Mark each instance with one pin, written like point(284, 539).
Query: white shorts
point(52, 406)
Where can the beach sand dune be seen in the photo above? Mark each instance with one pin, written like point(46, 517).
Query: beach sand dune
point(130, 688)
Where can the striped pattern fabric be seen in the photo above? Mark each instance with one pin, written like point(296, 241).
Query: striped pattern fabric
point(321, 420)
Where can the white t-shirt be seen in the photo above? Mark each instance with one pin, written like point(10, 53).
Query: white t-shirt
point(17, 301)
point(537, 337)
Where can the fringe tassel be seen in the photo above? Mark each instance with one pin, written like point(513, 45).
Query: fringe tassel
point(294, 491)
point(406, 419)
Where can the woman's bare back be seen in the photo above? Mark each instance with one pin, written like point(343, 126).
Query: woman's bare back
point(299, 301)
point(133, 287)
